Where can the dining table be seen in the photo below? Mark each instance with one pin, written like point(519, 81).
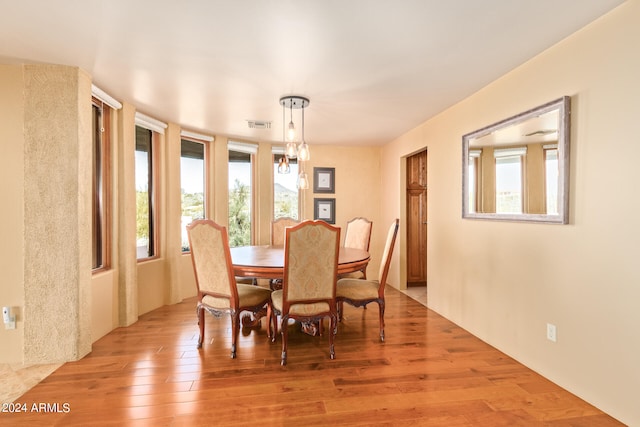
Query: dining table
point(267, 261)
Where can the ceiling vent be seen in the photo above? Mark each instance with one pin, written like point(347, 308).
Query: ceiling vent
point(258, 124)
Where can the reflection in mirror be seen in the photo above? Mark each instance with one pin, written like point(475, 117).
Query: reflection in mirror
point(518, 169)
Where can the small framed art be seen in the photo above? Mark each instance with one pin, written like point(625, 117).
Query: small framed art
point(325, 210)
point(324, 180)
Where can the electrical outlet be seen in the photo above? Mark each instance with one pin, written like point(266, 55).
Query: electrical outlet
point(8, 319)
point(552, 333)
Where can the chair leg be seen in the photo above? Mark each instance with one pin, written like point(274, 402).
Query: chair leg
point(275, 325)
point(269, 325)
point(235, 331)
point(200, 316)
point(340, 308)
point(381, 307)
point(333, 325)
point(284, 331)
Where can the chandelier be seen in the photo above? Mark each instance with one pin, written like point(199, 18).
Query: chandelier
point(293, 149)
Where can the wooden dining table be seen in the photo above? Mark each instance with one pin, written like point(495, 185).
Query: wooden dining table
point(267, 261)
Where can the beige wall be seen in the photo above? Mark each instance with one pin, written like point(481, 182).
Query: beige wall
point(505, 281)
point(104, 304)
point(12, 196)
point(357, 176)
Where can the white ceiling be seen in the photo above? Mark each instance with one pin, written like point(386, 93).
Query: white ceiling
point(372, 69)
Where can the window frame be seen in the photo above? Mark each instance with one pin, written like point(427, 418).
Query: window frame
point(101, 201)
point(153, 194)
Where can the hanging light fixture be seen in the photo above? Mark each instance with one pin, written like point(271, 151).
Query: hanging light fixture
point(291, 132)
point(303, 148)
point(303, 181)
point(283, 164)
point(292, 149)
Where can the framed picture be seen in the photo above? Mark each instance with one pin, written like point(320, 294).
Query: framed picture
point(325, 210)
point(324, 180)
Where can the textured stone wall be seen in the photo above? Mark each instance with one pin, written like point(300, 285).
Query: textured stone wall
point(127, 262)
point(57, 213)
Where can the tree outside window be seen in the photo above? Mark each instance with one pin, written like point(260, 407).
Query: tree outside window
point(240, 194)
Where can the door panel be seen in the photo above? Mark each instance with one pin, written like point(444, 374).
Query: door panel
point(417, 219)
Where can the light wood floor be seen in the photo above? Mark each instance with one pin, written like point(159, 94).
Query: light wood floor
point(428, 372)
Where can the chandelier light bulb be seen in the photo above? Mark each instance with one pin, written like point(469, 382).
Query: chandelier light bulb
point(303, 181)
point(291, 132)
point(303, 152)
point(291, 150)
point(283, 165)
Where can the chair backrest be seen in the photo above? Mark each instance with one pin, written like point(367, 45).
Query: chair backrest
point(388, 251)
point(277, 229)
point(358, 234)
point(310, 262)
point(211, 259)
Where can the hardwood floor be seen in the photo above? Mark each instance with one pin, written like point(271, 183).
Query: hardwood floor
point(428, 372)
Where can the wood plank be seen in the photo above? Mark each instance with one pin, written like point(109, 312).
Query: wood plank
point(428, 372)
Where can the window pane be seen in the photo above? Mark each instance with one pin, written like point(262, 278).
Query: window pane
point(551, 180)
point(144, 205)
point(192, 179)
point(509, 184)
point(240, 198)
point(285, 190)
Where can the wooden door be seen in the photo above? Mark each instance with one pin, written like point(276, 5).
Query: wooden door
point(417, 219)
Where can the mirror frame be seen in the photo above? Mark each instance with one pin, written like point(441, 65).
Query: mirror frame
point(563, 105)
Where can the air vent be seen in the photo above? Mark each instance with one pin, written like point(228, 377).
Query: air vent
point(258, 124)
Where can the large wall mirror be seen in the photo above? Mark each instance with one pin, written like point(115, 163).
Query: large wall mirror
point(518, 169)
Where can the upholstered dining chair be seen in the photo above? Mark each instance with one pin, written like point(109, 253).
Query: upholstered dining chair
point(360, 292)
point(308, 291)
point(218, 291)
point(277, 239)
point(358, 235)
point(277, 229)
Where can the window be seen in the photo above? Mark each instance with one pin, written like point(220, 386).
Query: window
point(101, 189)
point(145, 218)
point(241, 158)
point(192, 185)
point(551, 178)
point(285, 188)
point(509, 183)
